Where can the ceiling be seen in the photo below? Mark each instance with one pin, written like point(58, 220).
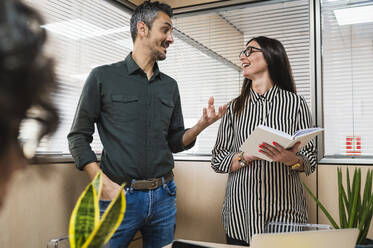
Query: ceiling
point(187, 6)
point(180, 3)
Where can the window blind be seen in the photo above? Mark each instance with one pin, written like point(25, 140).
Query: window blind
point(81, 36)
point(204, 58)
point(347, 60)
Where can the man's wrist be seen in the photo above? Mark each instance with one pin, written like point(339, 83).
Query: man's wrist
point(92, 169)
point(200, 127)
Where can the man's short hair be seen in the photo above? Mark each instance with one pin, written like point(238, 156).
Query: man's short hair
point(147, 12)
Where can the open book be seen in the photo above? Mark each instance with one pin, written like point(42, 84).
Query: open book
point(263, 134)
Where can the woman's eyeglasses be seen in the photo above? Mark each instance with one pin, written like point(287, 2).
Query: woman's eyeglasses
point(249, 50)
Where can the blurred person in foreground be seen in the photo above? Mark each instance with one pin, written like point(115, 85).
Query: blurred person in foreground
point(26, 82)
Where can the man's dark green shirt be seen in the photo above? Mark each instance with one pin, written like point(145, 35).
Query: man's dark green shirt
point(139, 121)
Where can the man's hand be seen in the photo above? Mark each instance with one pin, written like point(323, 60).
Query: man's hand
point(279, 154)
point(109, 188)
point(209, 115)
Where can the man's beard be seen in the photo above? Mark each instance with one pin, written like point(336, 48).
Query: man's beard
point(159, 55)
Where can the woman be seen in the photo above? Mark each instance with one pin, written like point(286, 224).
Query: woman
point(26, 82)
point(258, 191)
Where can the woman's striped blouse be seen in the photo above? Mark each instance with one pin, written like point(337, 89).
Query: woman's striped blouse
point(264, 191)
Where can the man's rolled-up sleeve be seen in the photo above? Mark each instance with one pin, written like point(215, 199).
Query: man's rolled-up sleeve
point(176, 130)
point(82, 129)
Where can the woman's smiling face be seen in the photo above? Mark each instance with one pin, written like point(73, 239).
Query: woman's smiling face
point(255, 63)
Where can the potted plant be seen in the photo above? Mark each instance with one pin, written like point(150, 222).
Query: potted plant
point(86, 228)
point(354, 211)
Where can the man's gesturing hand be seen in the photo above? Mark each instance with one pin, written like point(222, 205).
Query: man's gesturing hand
point(209, 115)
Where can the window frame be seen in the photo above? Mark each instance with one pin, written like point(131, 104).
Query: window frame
point(211, 8)
point(180, 12)
point(319, 108)
point(316, 80)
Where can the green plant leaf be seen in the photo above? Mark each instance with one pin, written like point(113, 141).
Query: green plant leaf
point(109, 222)
point(364, 232)
point(358, 210)
point(367, 190)
point(345, 200)
point(97, 183)
point(359, 202)
point(349, 192)
point(367, 213)
point(330, 218)
point(84, 217)
point(341, 200)
point(355, 197)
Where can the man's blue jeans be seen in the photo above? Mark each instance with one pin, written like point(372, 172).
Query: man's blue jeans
point(152, 212)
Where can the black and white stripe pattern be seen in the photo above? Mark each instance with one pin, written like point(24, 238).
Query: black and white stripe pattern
point(264, 191)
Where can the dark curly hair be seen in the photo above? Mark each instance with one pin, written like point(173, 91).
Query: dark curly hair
point(27, 76)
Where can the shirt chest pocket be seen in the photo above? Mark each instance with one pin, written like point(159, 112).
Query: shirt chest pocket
point(166, 108)
point(125, 108)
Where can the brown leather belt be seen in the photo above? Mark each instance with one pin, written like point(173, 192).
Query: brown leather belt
point(152, 183)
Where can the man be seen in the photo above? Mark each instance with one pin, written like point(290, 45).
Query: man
point(137, 110)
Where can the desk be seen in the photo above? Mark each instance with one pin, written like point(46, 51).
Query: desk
point(207, 244)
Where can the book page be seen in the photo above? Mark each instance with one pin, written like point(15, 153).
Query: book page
point(275, 131)
point(306, 131)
